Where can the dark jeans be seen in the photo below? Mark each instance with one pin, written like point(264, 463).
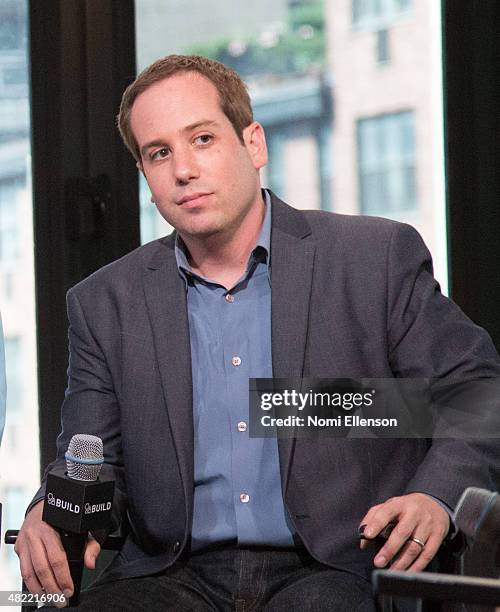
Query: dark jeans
point(239, 580)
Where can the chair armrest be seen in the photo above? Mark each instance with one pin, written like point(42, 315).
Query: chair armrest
point(112, 542)
point(437, 587)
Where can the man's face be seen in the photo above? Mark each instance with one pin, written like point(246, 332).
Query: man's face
point(203, 180)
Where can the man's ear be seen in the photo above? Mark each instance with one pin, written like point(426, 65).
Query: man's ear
point(255, 142)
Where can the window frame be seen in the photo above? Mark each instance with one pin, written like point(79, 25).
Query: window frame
point(88, 48)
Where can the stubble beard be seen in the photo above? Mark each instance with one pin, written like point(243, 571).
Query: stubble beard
point(220, 228)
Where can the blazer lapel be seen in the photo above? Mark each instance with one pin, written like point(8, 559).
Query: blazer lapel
point(166, 304)
point(292, 262)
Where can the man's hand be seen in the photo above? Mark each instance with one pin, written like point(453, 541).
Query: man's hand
point(417, 516)
point(44, 566)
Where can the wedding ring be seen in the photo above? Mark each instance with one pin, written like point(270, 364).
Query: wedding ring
point(417, 541)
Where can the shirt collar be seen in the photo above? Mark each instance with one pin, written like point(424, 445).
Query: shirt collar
point(263, 244)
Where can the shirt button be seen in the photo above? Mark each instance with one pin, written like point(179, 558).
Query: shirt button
point(244, 498)
point(236, 361)
point(229, 298)
point(242, 426)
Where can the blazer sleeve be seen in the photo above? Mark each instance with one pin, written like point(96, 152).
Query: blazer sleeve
point(430, 337)
point(90, 405)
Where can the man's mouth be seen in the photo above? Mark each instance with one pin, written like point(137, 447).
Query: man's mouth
point(193, 199)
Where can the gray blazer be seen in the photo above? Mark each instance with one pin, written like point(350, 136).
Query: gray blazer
point(351, 297)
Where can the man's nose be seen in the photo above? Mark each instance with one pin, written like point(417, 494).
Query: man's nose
point(185, 165)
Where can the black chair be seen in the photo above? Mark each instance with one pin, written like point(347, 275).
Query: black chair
point(387, 584)
point(435, 589)
point(449, 560)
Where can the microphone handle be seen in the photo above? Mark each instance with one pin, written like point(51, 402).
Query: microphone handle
point(74, 546)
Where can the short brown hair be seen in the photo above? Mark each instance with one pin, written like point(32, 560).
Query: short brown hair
point(233, 94)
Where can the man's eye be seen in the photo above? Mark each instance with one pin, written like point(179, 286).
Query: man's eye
point(160, 154)
point(203, 139)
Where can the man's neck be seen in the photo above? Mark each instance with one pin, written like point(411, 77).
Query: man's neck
point(223, 257)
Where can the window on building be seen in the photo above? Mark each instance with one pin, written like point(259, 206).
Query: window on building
point(13, 363)
point(373, 13)
point(10, 190)
point(13, 25)
point(383, 53)
point(403, 5)
point(386, 164)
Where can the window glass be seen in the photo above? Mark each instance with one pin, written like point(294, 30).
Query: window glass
point(279, 49)
point(383, 53)
point(350, 99)
point(13, 363)
point(15, 502)
point(19, 453)
point(10, 190)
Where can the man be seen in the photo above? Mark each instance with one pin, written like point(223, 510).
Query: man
point(163, 341)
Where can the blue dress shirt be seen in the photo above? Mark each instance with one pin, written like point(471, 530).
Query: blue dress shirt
point(237, 494)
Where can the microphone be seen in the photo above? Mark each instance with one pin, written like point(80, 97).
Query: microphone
point(77, 501)
point(477, 515)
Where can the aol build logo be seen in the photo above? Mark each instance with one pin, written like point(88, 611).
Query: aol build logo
point(62, 504)
point(93, 508)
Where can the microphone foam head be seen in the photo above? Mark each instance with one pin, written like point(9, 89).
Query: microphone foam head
point(84, 457)
point(472, 509)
